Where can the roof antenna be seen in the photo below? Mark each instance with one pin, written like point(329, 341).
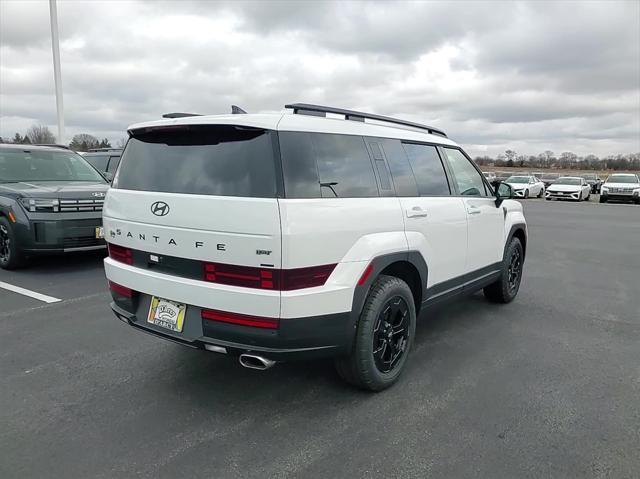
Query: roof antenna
point(236, 110)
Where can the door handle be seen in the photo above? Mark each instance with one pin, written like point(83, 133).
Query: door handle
point(474, 210)
point(415, 212)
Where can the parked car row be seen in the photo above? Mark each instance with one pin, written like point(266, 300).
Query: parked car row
point(618, 186)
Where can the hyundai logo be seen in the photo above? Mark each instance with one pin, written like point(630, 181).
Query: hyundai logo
point(160, 208)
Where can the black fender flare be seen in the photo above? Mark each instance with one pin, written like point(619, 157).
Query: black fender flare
point(514, 228)
point(379, 263)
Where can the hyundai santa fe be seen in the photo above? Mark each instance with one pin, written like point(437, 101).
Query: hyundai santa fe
point(317, 232)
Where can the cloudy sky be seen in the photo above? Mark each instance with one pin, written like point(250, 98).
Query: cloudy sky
point(530, 76)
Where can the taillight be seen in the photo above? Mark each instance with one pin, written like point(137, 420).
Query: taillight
point(246, 276)
point(300, 278)
point(120, 253)
point(242, 319)
point(265, 278)
point(121, 290)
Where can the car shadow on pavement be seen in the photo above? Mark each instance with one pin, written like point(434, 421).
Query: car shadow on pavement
point(215, 378)
point(62, 263)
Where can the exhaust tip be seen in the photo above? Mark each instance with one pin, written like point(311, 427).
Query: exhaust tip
point(252, 361)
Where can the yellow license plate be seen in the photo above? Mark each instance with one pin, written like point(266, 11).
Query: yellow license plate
point(99, 232)
point(167, 314)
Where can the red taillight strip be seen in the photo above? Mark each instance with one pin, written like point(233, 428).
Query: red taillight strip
point(268, 278)
point(120, 253)
point(242, 319)
point(121, 290)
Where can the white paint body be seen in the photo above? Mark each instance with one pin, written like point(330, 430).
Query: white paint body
point(577, 192)
point(534, 187)
point(455, 235)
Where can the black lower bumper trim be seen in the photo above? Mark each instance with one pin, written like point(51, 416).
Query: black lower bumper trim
point(236, 348)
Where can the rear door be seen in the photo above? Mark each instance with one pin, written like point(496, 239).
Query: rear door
point(485, 220)
point(200, 192)
point(435, 220)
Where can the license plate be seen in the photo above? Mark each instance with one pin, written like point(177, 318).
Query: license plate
point(99, 232)
point(167, 314)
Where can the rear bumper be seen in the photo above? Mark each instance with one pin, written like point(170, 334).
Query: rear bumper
point(295, 339)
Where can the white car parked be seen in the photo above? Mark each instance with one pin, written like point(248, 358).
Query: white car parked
point(621, 187)
point(273, 237)
point(526, 186)
point(569, 188)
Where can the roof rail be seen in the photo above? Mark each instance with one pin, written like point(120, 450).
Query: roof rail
point(319, 110)
point(179, 115)
point(53, 145)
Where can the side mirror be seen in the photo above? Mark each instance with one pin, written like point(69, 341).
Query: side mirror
point(503, 192)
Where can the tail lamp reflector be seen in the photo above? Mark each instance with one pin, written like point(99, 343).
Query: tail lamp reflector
point(242, 319)
point(121, 290)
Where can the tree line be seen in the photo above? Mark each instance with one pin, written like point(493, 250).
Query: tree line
point(566, 160)
point(41, 135)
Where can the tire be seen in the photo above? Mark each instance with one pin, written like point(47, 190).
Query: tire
point(541, 194)
point(506, 288)
point(526, 193)
point(10, 255)
point(588, 196)
point(363, 367)
point(602, 199)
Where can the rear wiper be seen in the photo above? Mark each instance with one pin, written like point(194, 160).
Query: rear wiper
point(330, 185)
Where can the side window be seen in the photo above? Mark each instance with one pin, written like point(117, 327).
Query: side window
point(467, 178)
point(99, 162)
point(322, 165)
point(428, 169)
point(344, 167)
point(299, 165)
point(113, 164)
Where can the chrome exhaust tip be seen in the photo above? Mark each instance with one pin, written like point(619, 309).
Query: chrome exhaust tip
point(252, 361)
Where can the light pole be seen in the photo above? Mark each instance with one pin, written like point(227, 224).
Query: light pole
point(53, 10)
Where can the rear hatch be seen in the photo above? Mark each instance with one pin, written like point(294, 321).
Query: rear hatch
point(206, 193)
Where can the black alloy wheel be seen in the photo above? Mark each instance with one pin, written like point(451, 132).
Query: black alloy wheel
point(514, 271)
point(390, 334)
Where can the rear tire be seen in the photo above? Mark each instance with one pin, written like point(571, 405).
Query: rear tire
point(526, 194)
point(384, 336)
point(602, 199)
point(10, 255)
point(506, 288)
point(541, 193)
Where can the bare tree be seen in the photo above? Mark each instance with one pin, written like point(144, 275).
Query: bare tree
point(121, 142)
point(83, 142)
point(39, 134)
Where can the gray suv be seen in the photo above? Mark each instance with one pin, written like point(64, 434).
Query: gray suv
point(50, 202)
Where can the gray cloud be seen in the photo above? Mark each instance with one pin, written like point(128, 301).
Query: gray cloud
point(495, 75)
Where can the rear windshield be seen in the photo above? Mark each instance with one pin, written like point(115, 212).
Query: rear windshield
point(204, 160)
point(44, 165)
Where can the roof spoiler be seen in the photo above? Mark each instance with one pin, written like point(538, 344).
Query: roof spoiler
point(235, 110)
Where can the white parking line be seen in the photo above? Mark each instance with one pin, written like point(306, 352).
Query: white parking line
point(27, 292)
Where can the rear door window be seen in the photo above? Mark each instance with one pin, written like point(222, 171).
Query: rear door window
point(428, 169)
point(203, 159)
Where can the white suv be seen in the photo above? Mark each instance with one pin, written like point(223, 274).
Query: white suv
point(316, 232)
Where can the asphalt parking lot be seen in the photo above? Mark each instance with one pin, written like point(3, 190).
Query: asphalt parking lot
point(548, 386)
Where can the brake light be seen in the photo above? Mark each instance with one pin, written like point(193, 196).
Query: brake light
point(120, 253)
point(121, 290)
point(242, 319)
point(265, 278)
